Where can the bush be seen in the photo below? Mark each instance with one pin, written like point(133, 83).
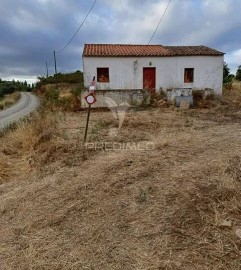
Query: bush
point(53, 100)
point(8, 104)
point(228, 85)
point(238, 74)
point(65, 103)
point(75, 77)
point(52, 95)
point(228, 79)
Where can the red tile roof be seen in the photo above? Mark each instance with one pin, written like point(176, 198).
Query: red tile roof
point(122, 50)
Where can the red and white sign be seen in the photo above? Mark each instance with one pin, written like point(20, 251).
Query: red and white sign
point(90, 99)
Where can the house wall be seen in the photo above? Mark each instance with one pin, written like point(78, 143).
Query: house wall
point(127, 72)
point(115, 98)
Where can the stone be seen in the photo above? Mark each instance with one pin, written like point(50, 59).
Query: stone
point(184, 104)
point(238, 232)
point(226, 223)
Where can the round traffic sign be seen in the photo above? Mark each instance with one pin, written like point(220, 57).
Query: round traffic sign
point(90, 99)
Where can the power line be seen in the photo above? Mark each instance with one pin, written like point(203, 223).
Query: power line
point(144, 50)
point(91, 8)
point(78, 28)
point(160, 21)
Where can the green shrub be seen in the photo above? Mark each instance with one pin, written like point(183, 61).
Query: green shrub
point(76, 92)
point(75, 77)
point(228, 79)
point(238, 74)
point(65, 103)
point(52, 95)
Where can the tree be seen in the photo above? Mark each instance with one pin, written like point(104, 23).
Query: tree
point(227, 77)
point(226, 70)
point(238, 74)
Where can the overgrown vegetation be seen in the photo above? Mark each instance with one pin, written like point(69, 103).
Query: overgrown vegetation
point(227, 77)
point(160, 100)
point(238, 74)
point(61, 91)
point(232, 95)
point(8, 87)
point(74, 77)
point(53, 99)
point(175, 199)
point(175, 207)
point(9, 92)
point(9, 100)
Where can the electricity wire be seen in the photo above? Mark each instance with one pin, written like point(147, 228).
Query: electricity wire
point(87, 15)
point(160, 21)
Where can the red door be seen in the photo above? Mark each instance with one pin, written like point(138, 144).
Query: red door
point(149, 78)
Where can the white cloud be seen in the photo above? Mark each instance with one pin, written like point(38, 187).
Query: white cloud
point(32, 30)
point(234, 60)
point(43, 2)
point(28, 79)
point(218, 7)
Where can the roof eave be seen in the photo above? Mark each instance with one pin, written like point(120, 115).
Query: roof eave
point(180, 55)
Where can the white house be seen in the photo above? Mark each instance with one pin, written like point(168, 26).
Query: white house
point(119, 66)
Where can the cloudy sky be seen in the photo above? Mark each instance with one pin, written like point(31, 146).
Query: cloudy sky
point(31, 30)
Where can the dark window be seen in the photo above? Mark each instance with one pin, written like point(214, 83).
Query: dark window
point(103, 75)
point(188, 75)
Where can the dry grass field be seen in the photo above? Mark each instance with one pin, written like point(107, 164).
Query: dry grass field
point(174, 206)
point(9, 100)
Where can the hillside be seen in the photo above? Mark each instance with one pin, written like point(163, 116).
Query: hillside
point(69, 78)
point(175, 205)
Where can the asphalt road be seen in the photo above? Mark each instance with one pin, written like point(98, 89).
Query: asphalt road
point(26, 104)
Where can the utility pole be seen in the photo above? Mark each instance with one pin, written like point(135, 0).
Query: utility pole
point(47, 69)
point(55, 64)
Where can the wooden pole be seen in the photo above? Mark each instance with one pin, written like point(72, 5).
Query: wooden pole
point(47, 69)
point(55, 63)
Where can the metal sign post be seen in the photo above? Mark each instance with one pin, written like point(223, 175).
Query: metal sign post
point(90, 99)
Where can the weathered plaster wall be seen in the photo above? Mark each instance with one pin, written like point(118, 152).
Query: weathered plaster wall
point(115, 98)
point(127, 72)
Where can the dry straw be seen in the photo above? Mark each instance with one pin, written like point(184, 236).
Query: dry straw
point(176, 207)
